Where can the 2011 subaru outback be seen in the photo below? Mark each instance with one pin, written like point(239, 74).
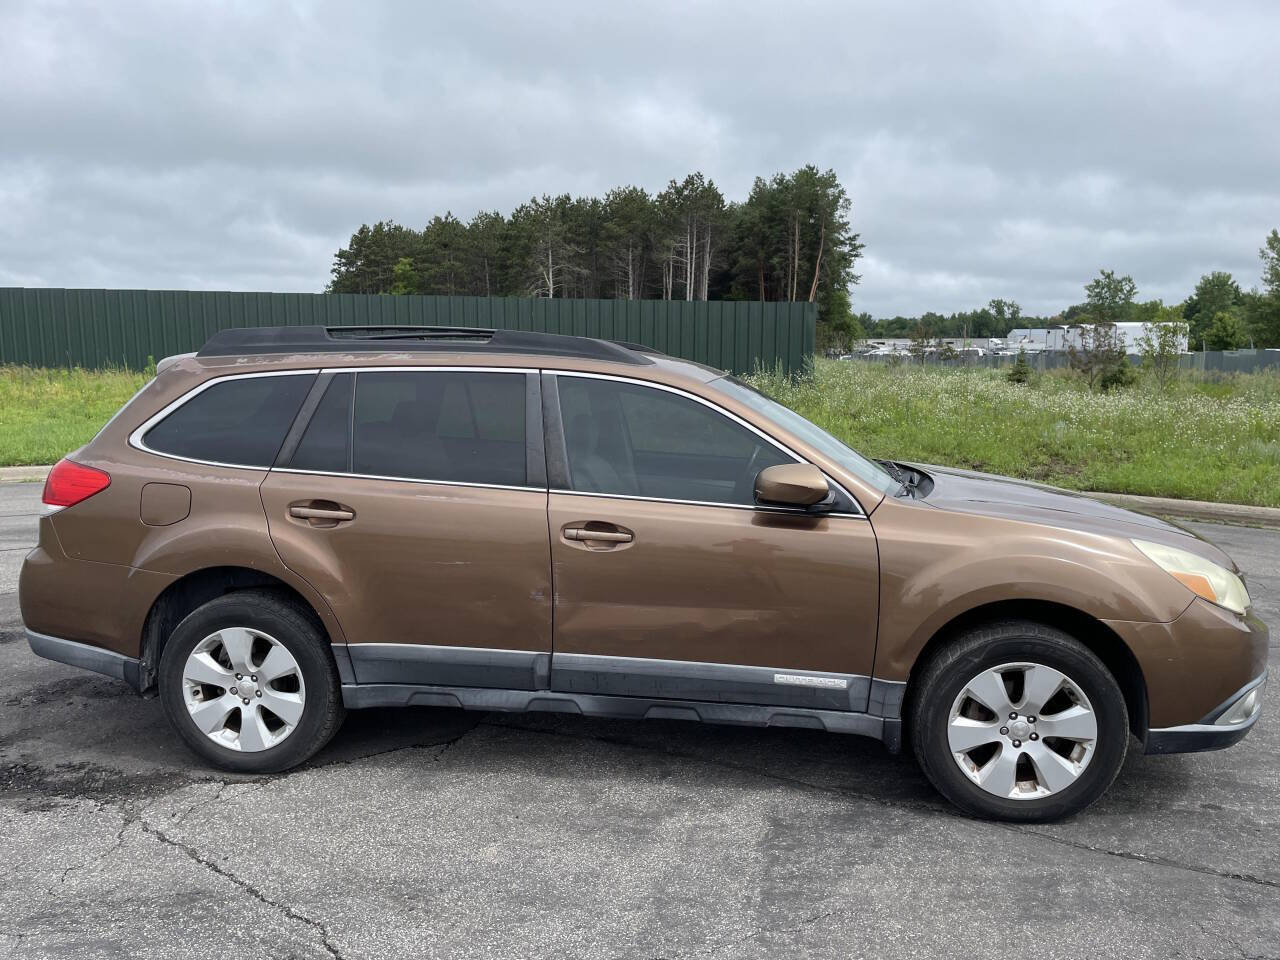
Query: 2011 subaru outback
point(297, 521)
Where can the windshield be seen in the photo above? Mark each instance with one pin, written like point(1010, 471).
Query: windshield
point(867, 470)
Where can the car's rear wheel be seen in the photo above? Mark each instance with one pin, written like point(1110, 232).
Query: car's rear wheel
point(249, 683)
point(1018, 721)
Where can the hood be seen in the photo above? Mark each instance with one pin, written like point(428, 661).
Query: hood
point(984, 493)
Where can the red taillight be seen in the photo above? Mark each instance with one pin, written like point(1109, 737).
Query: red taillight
point(69, 483)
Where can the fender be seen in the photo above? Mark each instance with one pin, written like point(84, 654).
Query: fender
point(931, 573)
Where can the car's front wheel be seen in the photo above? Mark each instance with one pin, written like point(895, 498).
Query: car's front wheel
point(1018, 721)
point(249, 683)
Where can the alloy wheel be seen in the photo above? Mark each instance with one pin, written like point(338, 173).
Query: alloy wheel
point(1022, 731)
point(243, 689)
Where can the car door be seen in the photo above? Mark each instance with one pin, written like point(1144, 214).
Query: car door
point(415, 501)
point(670, 582)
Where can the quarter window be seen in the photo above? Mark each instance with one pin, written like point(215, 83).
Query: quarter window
point(441, 425)
point(241, 422)
point(633, 440)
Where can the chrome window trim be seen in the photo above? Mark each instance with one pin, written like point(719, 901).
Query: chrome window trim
point(429, 368)
point(136, 441)
point(758, 508)
point(724, 413)
point(436, 483)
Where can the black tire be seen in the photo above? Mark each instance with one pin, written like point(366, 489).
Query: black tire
point(955, 665)
point(322, 710)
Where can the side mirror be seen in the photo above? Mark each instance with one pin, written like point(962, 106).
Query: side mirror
point(791, 485)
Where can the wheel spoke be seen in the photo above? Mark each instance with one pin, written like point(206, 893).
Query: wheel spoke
point(202, 668)
point(1074, 723)
point(254, 734)
point(1055, 772)
point(278, 663)
point(211, 715)
point(1040, 683)
point(988, 689)
point(286, 706)
point(999, 776)
point(238, 643)
point(964, 734)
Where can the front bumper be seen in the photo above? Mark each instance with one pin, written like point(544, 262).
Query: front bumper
point(1222, 727)
point(86, 657)
point(1196, 663)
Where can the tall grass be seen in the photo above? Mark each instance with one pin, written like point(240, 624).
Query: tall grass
point(47, 413)
point(1204, 439)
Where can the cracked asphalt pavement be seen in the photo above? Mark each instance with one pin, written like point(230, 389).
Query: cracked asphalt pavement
point(436, 833)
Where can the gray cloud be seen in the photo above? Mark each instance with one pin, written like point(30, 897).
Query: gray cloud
point(990, 150)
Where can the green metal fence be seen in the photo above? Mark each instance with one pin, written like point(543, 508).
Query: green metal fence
point(123, 328)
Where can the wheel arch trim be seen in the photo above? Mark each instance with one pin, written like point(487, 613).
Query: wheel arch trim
point(197, 587)
point(1095, 634)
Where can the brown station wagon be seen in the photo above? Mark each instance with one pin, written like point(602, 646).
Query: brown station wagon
point(297, 521)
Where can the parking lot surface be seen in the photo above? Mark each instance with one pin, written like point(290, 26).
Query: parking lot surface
point(434, 833)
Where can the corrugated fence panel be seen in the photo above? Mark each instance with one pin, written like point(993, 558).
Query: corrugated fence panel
point(124, 328)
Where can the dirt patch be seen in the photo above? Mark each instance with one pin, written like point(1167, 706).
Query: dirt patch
point(1054, 468)
point(85, 687)
point(35, 786)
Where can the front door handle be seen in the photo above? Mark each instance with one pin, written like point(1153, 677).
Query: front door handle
point(606, 536)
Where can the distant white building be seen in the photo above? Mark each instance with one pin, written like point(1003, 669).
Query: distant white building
point(1037, 339)
point(1131, 334)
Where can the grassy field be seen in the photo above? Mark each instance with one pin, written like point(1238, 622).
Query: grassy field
point(1203, 440)
point(46, 413)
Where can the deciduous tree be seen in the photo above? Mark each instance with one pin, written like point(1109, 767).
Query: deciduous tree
point(1161, 346)
point(1226, 332)
point(1270, 255)
point(1216, 293)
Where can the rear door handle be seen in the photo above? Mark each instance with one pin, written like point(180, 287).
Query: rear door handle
point(334, 514)
point(607, 536)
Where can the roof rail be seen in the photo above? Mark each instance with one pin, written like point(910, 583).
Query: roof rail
point(238, 341)
point(639, 348)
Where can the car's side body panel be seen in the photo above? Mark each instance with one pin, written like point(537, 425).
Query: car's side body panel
point(436, 564)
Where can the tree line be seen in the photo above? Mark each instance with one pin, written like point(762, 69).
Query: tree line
point(1218, 314)
point(789, 239)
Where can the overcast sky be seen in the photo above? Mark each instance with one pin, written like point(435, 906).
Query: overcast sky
point(990, 149)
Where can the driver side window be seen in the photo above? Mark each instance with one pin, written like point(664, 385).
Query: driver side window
point(637, 441)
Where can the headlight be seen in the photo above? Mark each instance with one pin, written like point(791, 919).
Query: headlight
point(1202, 577)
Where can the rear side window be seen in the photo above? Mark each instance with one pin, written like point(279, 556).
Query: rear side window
point(240, 422)
point(452, 426)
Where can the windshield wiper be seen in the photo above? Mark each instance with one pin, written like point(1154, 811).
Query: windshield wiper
point(908, 479)
point(905, 484)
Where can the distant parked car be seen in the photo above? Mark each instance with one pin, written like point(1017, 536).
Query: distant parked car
point(297, 521)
